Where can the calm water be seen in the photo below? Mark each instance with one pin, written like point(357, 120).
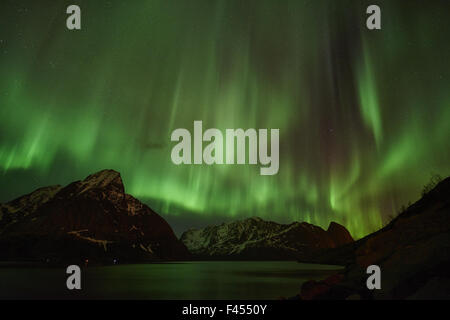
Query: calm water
point(187, 280)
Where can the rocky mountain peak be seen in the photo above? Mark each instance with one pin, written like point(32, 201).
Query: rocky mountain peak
point(88, 218)
point(104, 179)
point(339, 234)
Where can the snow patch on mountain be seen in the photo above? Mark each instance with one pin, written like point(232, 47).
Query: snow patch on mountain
point(101, 243)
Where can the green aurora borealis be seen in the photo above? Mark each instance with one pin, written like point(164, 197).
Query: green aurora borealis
point(364, 116)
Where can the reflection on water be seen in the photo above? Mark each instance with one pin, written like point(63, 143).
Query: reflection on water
point(187, 280)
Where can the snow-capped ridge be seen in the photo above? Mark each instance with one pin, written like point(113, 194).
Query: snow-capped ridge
point(25, 205)
point(259, 239)
point(102, 179)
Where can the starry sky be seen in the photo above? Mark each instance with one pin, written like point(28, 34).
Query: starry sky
point(364, 116)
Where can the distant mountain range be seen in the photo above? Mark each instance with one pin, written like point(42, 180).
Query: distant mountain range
point(257, 239)
point(95, 219)
point(89, 219)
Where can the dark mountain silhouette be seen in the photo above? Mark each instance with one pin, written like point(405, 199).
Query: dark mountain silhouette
point(257, 239)
point(413, 252)
point(90, 219)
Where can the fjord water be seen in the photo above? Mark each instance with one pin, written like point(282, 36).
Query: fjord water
point(183, 280)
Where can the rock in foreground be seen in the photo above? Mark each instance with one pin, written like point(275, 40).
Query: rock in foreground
point(413, 253)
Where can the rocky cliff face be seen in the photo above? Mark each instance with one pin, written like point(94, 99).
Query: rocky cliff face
point(93, 218)
point(257, 239)
point(412, 251)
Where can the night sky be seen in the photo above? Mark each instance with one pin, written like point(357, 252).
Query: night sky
point(364, 116)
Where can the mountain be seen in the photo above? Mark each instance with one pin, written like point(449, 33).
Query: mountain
point(257, 239)
point(90, 219)
point(412, 251)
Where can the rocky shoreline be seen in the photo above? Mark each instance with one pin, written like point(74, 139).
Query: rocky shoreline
point(412, 251)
